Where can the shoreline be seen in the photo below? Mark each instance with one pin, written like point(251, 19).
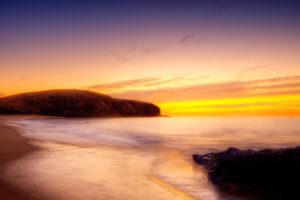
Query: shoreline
point(12, 147)
point(154, 160)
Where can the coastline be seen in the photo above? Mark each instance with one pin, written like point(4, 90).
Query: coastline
point(12, 147)
point(100, 159)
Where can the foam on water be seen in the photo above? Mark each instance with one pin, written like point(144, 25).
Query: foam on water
point(136, 158)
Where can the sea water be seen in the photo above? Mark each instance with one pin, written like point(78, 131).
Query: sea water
point(136, 158)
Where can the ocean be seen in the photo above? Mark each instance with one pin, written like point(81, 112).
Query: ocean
point(136, 158)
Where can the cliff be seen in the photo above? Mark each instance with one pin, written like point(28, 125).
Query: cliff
point(74, 103)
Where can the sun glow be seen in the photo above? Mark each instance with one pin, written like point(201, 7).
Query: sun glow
point(269, 105)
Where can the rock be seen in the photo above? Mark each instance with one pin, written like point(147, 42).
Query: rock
point(74, 103)
point(265, 174)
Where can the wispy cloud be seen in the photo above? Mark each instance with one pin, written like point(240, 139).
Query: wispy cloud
point(145, 83)
point(253, 68)
point(149, 50)
point(277, 79)
point(235, 89)
point(153, 49)
point(191, 38)
point(198, 78)
point(119, 57)
point(123, 84)
point(186, 38)
point(246, 72)
point(161, 82)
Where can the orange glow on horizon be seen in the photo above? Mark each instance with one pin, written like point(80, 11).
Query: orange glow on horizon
point(272, 106)
point(215, 73)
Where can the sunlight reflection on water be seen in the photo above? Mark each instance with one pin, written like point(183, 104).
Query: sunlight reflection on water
point(136, 158)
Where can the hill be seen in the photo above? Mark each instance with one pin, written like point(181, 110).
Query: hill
point(74, 103)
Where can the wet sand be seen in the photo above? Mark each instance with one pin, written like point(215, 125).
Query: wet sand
point(126, 158)
point(12, 147)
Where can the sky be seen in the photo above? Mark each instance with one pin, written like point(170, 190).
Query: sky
point(204, 57)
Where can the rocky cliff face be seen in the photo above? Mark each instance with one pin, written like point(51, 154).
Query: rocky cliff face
point(74, 103)
point(266, 174)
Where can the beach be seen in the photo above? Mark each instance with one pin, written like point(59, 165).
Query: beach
point(125, 158)
point(12, 146)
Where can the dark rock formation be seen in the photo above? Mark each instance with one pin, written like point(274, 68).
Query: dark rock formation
point(265, 174)
point(74, 103)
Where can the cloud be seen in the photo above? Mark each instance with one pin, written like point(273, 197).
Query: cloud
point(2, 94)
point(240, 105)
point(186, 38)
point(244, 73)
point(160, 82)
point(149, 50)
point(191, 38)
point(252, 68)
point(277, 79)
point(144, 83)
point(278, 86)
point(288, 85)
point(175, 93)
point(198, 78)
point(231, 106)
point(123, 84)
point(119, 57)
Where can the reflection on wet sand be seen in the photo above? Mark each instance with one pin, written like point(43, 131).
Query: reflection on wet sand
point(72, 172)
point(138, 158)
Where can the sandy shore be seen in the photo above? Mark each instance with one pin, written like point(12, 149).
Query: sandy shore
point(12, 146)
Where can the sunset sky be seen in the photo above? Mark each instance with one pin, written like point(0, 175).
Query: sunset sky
point(202, 57)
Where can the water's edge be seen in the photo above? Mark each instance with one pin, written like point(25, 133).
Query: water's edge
point(140, 158)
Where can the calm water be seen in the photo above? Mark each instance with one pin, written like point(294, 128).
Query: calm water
point(136, 158)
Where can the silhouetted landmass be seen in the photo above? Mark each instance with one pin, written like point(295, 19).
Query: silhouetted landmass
point(74, 103)
point(265, 174)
